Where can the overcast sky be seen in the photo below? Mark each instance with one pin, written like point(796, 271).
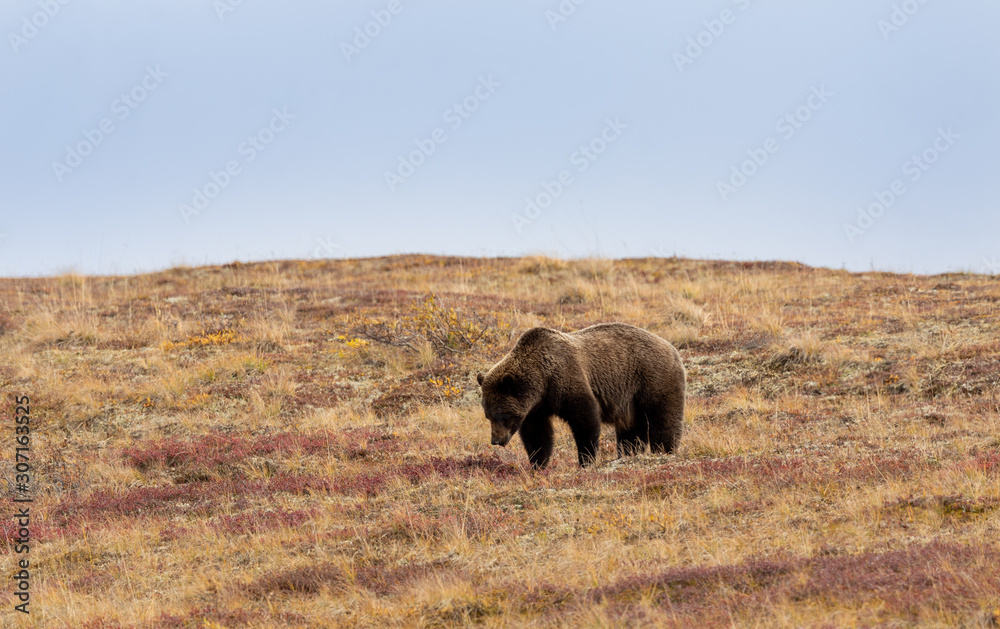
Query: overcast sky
point(851, 133)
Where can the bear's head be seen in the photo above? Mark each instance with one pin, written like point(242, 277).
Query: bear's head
point(507, 398)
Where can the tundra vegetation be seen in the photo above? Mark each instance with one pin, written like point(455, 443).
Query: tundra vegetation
point(301, 444)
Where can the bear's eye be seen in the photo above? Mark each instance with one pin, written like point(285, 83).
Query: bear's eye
point(507, 383)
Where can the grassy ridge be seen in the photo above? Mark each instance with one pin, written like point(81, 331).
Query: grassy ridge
point(298, 444)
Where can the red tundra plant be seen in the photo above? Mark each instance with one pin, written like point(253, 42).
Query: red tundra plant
point(259, 520)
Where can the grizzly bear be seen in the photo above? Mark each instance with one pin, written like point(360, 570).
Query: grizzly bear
point(611, 372)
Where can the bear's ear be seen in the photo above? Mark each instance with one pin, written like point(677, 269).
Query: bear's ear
point(507, 382)
point(479, 378)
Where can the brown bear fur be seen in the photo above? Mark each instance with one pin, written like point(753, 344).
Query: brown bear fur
point(611, 372)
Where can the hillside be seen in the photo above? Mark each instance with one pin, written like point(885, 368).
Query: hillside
point(300, 444)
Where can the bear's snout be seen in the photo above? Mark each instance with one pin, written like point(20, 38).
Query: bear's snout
point(500, 435)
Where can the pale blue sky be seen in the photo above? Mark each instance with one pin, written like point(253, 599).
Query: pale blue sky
point(879, 97)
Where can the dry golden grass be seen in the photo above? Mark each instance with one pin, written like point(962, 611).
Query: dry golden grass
point(244, 446)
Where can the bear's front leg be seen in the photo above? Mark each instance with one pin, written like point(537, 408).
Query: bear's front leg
point(536, 435)
point(584, 418)
point(588, 439)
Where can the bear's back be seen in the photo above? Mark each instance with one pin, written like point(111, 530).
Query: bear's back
point(620, 340)
point(608, 352)
point(620, 359)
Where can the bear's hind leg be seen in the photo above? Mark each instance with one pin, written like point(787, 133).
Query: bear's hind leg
point(629, 442)
point(536, 435)
point(634, 439)
point(664, 431)
point(662, 444)
point(663, 426)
